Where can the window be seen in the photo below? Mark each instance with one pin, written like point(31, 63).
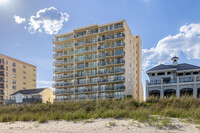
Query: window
point(14, 76)
point(187, 73)
point(130, 64)
point(6, 68)
point(130, 49)
point(180, 74)
point(24, 77)
point(6, 62)
point(24, 72)
point(153, 74)
point(34, 70)
point(14, 64)
point(24, 83)
point(162, 73)
point(14, 70)
point(6, 73)
point(168, 73)
point(14, 81)
point(24, 88)
point(130, 41)
point(7, 86)
point(195, 73)
point(34, 85)
point(24, 67)
point(14, 87)
point(34, 80)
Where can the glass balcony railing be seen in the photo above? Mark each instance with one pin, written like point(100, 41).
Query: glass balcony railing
point(63, 77)
point(186, 79)
point(82, 82)
point(103, 55)
point(86, 50)
point(59, 47)
point(154, 82)
point(63, 69)
point(63, 54)
point(111, 71)
point(111, 37)
point(60, 62)
point(112, 45)
point(111, 63)
point(86, 58)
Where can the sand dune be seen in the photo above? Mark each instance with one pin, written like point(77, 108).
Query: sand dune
point(95, 126)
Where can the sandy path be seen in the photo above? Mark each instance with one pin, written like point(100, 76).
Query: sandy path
point(97, 126)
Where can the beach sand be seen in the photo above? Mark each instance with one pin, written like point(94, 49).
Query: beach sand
point(96, 126)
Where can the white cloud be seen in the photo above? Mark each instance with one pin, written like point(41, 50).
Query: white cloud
point(48, 20)
point(19, 19)
point(187, 41)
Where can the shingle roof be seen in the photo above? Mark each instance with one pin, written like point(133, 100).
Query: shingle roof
point(179, 67)
point(29, 91)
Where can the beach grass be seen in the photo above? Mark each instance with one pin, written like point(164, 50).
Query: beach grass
point(184, 107)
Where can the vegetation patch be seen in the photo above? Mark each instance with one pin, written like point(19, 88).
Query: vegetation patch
point(186, 108)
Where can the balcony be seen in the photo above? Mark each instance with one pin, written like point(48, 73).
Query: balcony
point(31, 100)
point(61, 62)
point(86, 66)
point(63, 69)
point(186, 79)
point(86, 50)
point(111, 45)
point(111, 63)
point(181, 79)
point(59, 39)
point(60, 47)
point(104, 55)
point(62, 77)
point(63, 54)
point(87, 97)
point(86, 58)
point(86, 82)
point(111, 37)
point(111, 71)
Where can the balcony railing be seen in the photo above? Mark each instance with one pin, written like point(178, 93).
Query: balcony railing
point(111, 37)
point(62, 77)
point(86, 58)
point(102, 55)
point(63, 54)
point(86, 50)
point(111, 71)
point(112, 45)
point(63, 69)
point(175, 80)
point(63, 62)
point(111, 63)
point(86, 66)
point(83, 82)
point(89, 98)
point(59, 47)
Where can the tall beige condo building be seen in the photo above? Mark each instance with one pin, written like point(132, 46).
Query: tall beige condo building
point(98, 62)
point(15, 75)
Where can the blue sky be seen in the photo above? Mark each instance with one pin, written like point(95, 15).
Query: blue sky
point(166, 27)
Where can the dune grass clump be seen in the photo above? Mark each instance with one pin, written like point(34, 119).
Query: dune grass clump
point(184, 107)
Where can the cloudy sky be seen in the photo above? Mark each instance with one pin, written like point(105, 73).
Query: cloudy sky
point(167, 28)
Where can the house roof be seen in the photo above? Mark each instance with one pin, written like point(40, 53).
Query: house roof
point(179, 67)
point(29, 91)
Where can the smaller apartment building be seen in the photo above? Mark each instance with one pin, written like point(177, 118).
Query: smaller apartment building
point(176, 79)
point(14, 76)
point(43, 95)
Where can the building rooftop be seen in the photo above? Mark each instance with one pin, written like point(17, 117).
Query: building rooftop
point(18, 61)
point(179, 67)
point(29, 91)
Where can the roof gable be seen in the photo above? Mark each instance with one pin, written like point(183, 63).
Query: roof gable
point(179, 67)
point(29, 91)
